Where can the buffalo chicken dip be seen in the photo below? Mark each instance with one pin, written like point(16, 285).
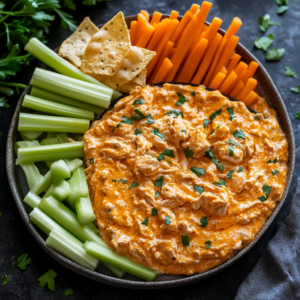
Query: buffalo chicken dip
point(181, 178)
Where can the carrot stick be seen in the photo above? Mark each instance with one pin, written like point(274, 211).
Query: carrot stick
point(239, 71)
point(233, 62)
point(250, 72)
point(231, 31)
point(182, 25)
point(236, 90)
point(166, 53)
point(208, 57)
point(164, 69)
point(249, 99)
point(133, 29)
point(228, 81)
point(223, 70)
point(146, 14)
point(216, 83)
point(249, 86)
point(194, 8)
point(193, 61)
point(156, 17)
point(172, 53)
point(173, 15)
point(161, 46)
point(213, 29)
point(142, 21)
point(158, 34)
point(146, 36)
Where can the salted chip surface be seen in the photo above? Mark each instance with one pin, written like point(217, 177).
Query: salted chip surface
point(107, 48)
point(74, 46)
point(140, 78)
point(128, 87)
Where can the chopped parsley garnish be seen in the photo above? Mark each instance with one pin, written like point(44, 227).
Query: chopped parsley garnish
point(198, 171)
point(213, 132)
point(275, 54)
point(183, 130)
point(220, 183)
point(134, 185)
point(256, 118)
point(109, 210)
point(68, 292)
point(215, 114)
point(208, 244)
point(297, 115)
point(205, 123)
point(289, 72)
point(240, 169)
point(5, 279)
point(156, 132)
point(145, 222)
point(175, 113)
point(199, 189)
point(48, 279)
point(239, 134)
point(275, 161)
point(140, 115)
point(275, 172)
point(150, 120)
point(125, 120)
point(159, 181)
point(138, 101)
point(185, 240)
point(124, 181)
point(269, 161)
point(295, 89)
point(92, 160)
point(193, 93)
point(181, 100)
point(267, 190)
point(231, 150)
point(230, 110)
point(210, 155)
point(157, 194)
point(232, 117)
point(114, 180)
point(154, 211)
point(229, 174)
point(119, 125)
point(188, 152)
point(22, 262)
point(203, 222)
point(167, 220)
point(138, 132)
point(233, 143)
point(166, 152)
point(169, 161)
point(264, 42)
point(265, 21)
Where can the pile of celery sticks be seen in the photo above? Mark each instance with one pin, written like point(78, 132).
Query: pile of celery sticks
point(67, 103)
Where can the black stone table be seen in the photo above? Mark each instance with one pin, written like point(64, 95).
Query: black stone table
point(15, 238)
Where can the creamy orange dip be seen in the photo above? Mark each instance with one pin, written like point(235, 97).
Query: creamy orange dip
point(188, 181)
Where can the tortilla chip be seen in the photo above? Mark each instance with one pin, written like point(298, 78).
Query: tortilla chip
point(140, 78)
point(128, 87)
point(107, 48)
point(74, 46)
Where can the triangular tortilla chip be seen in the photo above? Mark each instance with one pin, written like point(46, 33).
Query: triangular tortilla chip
point(74, 46)
point(128, 87)
point(107, 48)
point(140, 78)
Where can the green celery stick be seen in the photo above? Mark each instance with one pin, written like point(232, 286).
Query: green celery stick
point(30, 135)
point(84, 211)
point(59, 190)
point(78, 185)
point(49, 141)
point(59, 171)
point(32, 199)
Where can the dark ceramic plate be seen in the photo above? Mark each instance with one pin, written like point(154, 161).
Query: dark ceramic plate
point(19, 188)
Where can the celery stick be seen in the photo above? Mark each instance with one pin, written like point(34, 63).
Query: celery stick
point(59, 190)
point(24, 144)
point(30, 135)
point(70, 87)
point(43, 185)
point(31, 122)
point(78, 185)
point(84, 211)
point(59, 171)
point(49, 141)
point(56, 108)
point(66, 247)
point(43, 94)
point(50, 58)
point(74, 164)
point(63, 138)
point(46, 224)
point(108, 256)
point(94, 228)
point(32, 199)
point(50, 152)
point(51, 135)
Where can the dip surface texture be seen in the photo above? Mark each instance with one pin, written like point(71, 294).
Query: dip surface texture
point(181, 178)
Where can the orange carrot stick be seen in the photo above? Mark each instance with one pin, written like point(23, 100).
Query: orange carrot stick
point(164, 69)
point(133, 29)
point(194, 8)
point(156, 17)
point(223, 70)
point(204, 66)
point(193, 61)
point(173, 15)
point(233, 62)
point(172, 53)
point(142, 21)
point(250, 72)
point(146, 14)
point(239, 71)
point(182, 25)
point(236, 90)
point(218, 81)
point(249, 86)
point(161, 46)
point(158, 34)
point(249, 99)
point(166, 53)
point(228, 81)
point(232, 30)
point(146, 36)
point(213, 29)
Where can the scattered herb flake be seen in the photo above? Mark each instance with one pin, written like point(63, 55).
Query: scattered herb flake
point(275, 172)
point(269, 161)
point(166, 152)
point(213, 132)
point(150, 120)
point(138, 132)
point(119, 125)
point(167, 220)
point(156, 132)
point(289, 72)
point(230, 110)
point(188, 152)
point(231, 150)
point(145, 222)
point(183, 130)
point(215, 114)
point(159, 181)
point(233, 143)
point(185, 240)
point(157, 194)
point(205, 123)
point(267, 189)
point(138, 101)
point(140, 114)
point(275, 54)
point(229, 174)
point(240, 169)
point(220, 183)
point(193, 93)
point(125, 120)
point(181, 100)
point(174, 112)
point(203, 222)
point(198, 171)
point(154, 211)
point(92, 160)
point(134, 185)
point(68, 292)
point(48, 280)
point(208, 244)
point(256, 118)
point(232, 117)
point(22, 262)
point(114, 180)
point(124, 181)
point(199, 189)
point(210, 155)
point(275, 161)
point(265, 21)
point(264, 42)
point(239, 134)
point(297, 115)
point(295, 89)
point(5, 279)
point(280, 10)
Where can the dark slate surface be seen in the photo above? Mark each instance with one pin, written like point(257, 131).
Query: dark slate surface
point(14, 237)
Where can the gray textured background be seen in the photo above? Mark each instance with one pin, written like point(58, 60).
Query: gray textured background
point(14, 237)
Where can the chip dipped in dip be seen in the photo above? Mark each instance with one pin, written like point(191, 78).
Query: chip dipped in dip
point(181, 178)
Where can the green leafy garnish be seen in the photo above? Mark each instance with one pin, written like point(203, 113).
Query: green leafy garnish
point(208, 244)
point(240, 169)
point(289, 72)
point(193, 93)
point(125, 120)
point(230, 110)
point(215, 114)
point(150, 120)
point(124, 181)
point(280, 10)
point(233, 143)
point(295, 89)
point(275, 161)
point(220, 183)
point(229, 174)
point(297, 115)
point(166, 152)
point(157, 194)
point(188, 152)
point(183, 130)
point(231, 150)
point(275, 54)
point(239, 134)
point(267, 190)
point(92, 160)
point(138, 101)
point(140, 115)
point(265, 21)
point(197, 171)
point(154, 211)
point(138, 132)
point(205, 123)
point(210, 155)
point(181, 100)
point(66, 20)
point(199, 189)
point(145, 222)
point(269, 161)
point(213, 132)
point(167, 220)
point(134, 185)
point(68, 292)
point(203, 222)
point(5, 279)
point(156, 132)
point(185, 240)
point(256, 118)
point(114, 180)
point(175, 113)
point(159, 181)
point(275, 172)
point(22, 262)
point(264, 42)
point(119, 125)
point(48, 280)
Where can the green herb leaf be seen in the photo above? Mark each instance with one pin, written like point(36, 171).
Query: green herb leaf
point(275, 161)
point(145, 222)
point(175, 113)
point(297, 115)
point(5, 279)
point(134, 185)
point(157, 194)
point(208, 244)
point(188, 153)
point(185, 240)
point(295, 89)
point(229, 174)
point(289, 72)
point(264, 42)
point(181, 100)
point(66, 20)
point(275, 54)
point(280, 10)
point(22, 262)
point(282, 2)
point(125, 120)
point(203, 222)
point(159, 181)
point(154, 211)
point(213, 132)
point(275, 172)
point(199, 189)
point(210, 155)
point(233, 143)
point(267, 189)
point(265, 21)
point(150, 120)
point(124, 181)
point(205, 123)
point(239, 134)
point(140, 114)
point(215, 114)
point(256, 118)
point(166, 152)
point(167, 220)
point(193, 93)
point(156, 132)
point(269, 161)
point(230, 110)
point(138, 101)
point(68, 292)
point(232, 117)
point(138, 132)
point(198, 171)
point(231, 150)
point(114, 180)
point(220, 183)
point(91, 160)
point(119, 125)
point(183, 130)
point(240, 169)
point(48, 280)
